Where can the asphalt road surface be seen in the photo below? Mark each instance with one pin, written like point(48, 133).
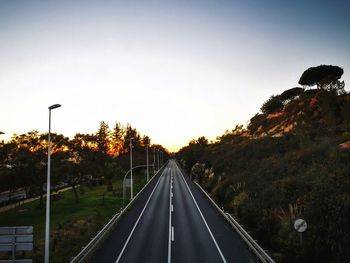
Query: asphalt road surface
point(172, 221)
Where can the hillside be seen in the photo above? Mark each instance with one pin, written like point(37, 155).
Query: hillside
point(309, 110)
point(291, 162)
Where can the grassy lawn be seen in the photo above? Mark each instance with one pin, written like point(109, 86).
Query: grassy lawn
point(72, 224)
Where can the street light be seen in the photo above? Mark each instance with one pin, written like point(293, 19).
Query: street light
point(154, 160)
point(147, 163)
point(131, 181)
point(158, 159)
point(48, 186)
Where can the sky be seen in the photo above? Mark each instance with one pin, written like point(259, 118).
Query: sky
point(175, 70)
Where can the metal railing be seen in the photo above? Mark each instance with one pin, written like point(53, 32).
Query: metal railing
point(17, 261)
point(251, 243)
point(17, 238)
point(87, 252)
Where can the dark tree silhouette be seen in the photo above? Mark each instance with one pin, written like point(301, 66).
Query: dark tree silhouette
point(290, 94)
point(272, 105)
point(117, 139)
point(131, 132)
point(324, 76)
point(103, 138)
point(87, 158)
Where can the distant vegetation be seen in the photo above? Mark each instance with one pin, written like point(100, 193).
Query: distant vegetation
point(86, 158)
point(92, 164)
point(291, 161)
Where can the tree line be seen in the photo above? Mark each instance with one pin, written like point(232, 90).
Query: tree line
point(86, 158)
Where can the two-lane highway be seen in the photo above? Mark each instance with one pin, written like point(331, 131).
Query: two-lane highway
point(173, 222)
point(194, 239)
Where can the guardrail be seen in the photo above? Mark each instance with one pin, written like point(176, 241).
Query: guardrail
point(251, 243)
point(91, 247)
point(17, 261)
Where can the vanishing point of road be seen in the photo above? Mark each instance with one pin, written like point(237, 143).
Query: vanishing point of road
point(173, 221)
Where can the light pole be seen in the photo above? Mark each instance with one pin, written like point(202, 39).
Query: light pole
point(154, 159)
point(147, 163)
point(132, 190)
point(48, 186)
point(158, 158)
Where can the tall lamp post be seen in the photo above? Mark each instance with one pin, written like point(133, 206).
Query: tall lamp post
point(147, 162)
point(131, 180)
point(158, 159)
point(48, 190)
point(154, 159)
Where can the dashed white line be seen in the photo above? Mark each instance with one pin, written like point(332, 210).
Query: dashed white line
point(205, 222)
point(170, 227)
point(172, 233)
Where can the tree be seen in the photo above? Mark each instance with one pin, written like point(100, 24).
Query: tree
point(202, 141)
point(290, 94)
point(6, 162)
point(145, 140)
point(112, 168)
point(324, 76)
point(272, 105)
point(30, 160)
point(117, 139)
point(103, 149)
point(131, 132)
point(82, 162)
point(235, 135)
point(103, 138)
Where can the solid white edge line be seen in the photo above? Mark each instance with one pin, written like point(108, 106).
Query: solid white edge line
point(144, 208)
point(205, 222)
point(169, 240)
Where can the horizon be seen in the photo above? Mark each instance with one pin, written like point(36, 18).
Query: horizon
point(174, 71)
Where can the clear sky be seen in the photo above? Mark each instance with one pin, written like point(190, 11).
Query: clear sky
point(175, 70)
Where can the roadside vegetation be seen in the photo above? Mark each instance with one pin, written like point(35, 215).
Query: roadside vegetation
point(92, 165)
point(72, 224)
point(292, 161)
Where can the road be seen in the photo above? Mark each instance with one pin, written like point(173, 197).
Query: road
point(172, 221)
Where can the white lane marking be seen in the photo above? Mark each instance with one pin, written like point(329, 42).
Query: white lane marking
point(172, 233)
point(170, 205)
point(205, 222)
point(143, 210)
point(172, 208)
